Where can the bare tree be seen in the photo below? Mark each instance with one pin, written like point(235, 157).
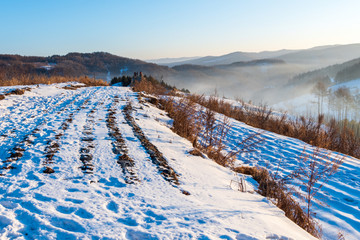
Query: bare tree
point(315, 171)
point(321, 91)
point(342, 100)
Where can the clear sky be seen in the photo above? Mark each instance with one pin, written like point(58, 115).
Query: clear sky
point(147, 29)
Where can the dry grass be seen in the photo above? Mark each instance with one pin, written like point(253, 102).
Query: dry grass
point(277, 190)
point(196, 152)
point(331, 135)
point(35, 79)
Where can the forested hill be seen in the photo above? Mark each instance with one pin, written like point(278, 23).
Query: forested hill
point(338, 73)
point(77, 64)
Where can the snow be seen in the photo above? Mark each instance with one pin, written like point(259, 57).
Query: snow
point(303, 105)
point(338, 203)
point(340, 211)
point(70, 204)
point(353, 85)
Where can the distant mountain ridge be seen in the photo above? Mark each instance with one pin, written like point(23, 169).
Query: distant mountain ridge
point(323, 56)
point(166, 61)
point(312, 58)
point(229, 58)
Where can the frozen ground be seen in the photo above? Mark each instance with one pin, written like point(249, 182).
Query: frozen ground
point(82, 134)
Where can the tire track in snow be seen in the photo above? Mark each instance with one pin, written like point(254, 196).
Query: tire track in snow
point(24, 134)
point(30, 113)
point(87, 148)
point(157, 158)
point(53, 145)
point(17, 152)
point(118, 146)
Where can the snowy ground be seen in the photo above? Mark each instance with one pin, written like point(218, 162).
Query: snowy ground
point(88, 198)
point(338, 207)
point(341, 196)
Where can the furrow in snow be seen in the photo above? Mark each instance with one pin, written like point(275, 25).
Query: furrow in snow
point(28, 138)
point(156, 156)
point(87, 142)
point(118, 146)
point(53, 145)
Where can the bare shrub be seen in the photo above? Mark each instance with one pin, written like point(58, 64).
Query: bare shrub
point(340, 235)
point(332, 135)
point(212, 136)
point(17, 91)
point(315, 171)
point(196, 152)
point(91, 82)
point(275, 189)
point(72, 87)
point(183, 114)
point(152, 86)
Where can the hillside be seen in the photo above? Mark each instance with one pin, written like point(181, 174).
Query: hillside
point(331, 75)
point(109, 181)
point(120, 172)
point(98, 64)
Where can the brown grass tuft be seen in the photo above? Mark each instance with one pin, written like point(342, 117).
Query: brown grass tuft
point(196, 152)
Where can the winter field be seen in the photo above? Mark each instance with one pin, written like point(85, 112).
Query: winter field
point(109, 183)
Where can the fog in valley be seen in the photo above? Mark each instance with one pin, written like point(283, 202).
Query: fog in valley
point(286, 81)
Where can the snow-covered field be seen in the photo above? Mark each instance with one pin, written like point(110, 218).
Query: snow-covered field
point(88, 197)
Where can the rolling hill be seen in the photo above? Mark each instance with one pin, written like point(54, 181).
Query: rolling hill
point(99, 64)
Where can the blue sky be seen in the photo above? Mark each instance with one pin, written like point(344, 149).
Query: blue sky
point(147, 29)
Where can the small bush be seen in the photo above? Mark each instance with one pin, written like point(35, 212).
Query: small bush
point(196, 152)
point(270, 188)
point(17, 91)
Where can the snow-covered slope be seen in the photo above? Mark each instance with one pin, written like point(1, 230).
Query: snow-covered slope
point(81, 134)
point(337, 205)
point(340, 197)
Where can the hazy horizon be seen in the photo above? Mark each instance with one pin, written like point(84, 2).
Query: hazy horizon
point(190, 57)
